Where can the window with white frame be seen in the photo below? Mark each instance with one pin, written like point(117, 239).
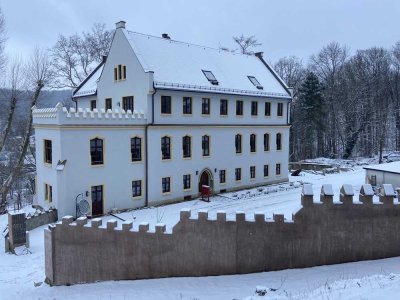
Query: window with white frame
point(166, 184)
point(136, 188)
point(186, 182)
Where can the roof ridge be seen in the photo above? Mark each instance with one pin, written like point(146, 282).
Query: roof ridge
point(192, 44)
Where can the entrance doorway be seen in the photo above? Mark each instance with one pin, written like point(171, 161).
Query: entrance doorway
point(205, 179)
point(97, 200)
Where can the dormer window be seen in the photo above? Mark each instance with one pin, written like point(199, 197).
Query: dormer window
point(210, 77)
point(255, 82)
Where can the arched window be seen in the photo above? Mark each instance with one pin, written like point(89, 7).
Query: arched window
point(252, 142)
point(278, 141)
point(187, 146)
point(238, 143)
point(266, 141)
point(136, 149)
point(205, 145)
point(166, 147)
point(96, 151)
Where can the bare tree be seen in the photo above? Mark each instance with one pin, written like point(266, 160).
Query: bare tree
point(3, 38)
point(15, 85)
point(327, 65)
point(74, 57)
point(246, 43)
point(38, 76)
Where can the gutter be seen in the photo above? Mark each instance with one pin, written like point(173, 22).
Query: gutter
point(147, 146)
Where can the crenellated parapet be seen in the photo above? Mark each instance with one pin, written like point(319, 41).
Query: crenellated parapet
point(204, 243)
point(60, 115)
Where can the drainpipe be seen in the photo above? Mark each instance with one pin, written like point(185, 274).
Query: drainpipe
point(147, 145)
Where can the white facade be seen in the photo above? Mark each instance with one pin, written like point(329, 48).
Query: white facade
point(147, 81)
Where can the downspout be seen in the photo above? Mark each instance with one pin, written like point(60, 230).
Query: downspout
point(147, 145)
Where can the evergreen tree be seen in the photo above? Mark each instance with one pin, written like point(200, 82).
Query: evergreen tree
point(309, 117)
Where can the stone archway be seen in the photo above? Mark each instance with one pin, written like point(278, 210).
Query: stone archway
point(205, 178)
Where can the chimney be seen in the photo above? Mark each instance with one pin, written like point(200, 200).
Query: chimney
point(120, 24)
point(259, 54)
point(104, 58)
point(165, 36)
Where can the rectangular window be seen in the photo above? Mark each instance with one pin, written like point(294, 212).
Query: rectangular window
point(253, 172)
point(238, 143)
point(136, 149)
point(93, 104)
point(253, 142)
point(239, 107)
point(205, 106)
point(266, 170)
point(186, 182)
point(266, 142)
point(187, 105)
point(48, 192)
point(108, 103)
point(222, 176)
point(96, 151)
point(267, 109)
point(166, 104)
point(119, 72)
point(127, 103)
point(278, 169)
point(48, 152)
point(123, 72)
point(166, 147)
point(223, 107)
point(136, 188)
point(210, 77)
point(254, 108)
point(166, 184)
point(280, 110)
point(255, 82)
point(187, 146)
point(205, 144)
point(278, 141)
point(238, 174)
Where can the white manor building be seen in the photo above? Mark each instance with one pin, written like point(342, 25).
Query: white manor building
point(156, 120)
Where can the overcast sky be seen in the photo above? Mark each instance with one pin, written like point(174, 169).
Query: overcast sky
point(284, 27)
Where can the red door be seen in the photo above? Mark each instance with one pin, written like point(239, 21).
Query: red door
point(204, 180)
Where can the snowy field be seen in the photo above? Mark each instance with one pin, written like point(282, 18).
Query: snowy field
point(21, 276)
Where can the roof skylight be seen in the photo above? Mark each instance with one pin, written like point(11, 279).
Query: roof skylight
point(255, 82)
point(210, 77)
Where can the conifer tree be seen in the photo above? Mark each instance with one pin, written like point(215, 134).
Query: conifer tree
point(309, 117)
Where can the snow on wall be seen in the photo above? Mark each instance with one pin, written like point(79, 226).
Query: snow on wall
point(319, 234)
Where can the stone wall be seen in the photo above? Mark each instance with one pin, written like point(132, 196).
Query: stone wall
point(321, 232)
point(42, 218)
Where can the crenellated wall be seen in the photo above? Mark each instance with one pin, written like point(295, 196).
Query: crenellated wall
point(60, 115)
point(320, 233)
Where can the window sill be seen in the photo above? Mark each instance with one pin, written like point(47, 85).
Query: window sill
point(137, 162)
point(223, 116)
point(238, 181)
point(222, 183)
point(206, 156)
point(239, 153)
point(137, 197)
point(266, 177)
point(187, 158)
point(187, 115)
point(206, 115)
point(166, 159)
point(187, 190)
point(166, 114)
point(253, 179)
point(166, 193)
point(239, 116)
point(254, 116)
point(97, 166)
point(48, 165)
point(267, 116)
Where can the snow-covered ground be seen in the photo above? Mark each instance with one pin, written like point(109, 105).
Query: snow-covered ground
point(361, 280)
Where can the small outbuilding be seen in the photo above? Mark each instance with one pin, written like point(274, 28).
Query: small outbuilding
point(377, 175)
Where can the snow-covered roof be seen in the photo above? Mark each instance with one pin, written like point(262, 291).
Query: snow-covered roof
point(393, 167)
point(89, 86)
point(179, 65)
